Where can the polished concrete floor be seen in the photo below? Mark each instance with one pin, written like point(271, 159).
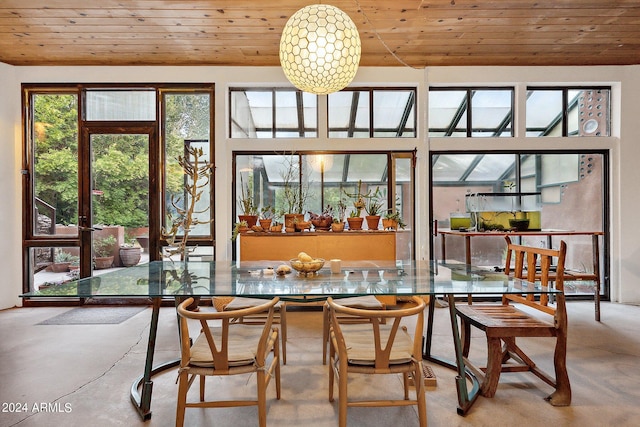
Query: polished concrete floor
point(80, 375)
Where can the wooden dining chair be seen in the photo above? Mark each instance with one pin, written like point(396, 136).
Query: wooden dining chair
point(503, 323)
point(375, 348)
point(369, 302)
point(227, 349)
point(238, 303)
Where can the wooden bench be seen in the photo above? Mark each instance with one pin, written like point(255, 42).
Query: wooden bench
point(503, 323)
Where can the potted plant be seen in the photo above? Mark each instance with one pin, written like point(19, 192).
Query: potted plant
point(130, 254)
point(62, 260)
point(337, 224)
point(373, 207)
point(276, 222)
point(266, 216)
point(295, 195)
point(247, 204)
point(354, 219)
point(322, 222)
point(392, 220)
point(103, 251)
point(239, 227)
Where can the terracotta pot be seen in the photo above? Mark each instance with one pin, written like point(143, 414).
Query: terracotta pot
point(276, 228)
point(103, 262)
point(373, 222)
point(355, 223)
point(60, 267)
point(302, 225)
point(337, 227)
point(251, 219)
point(265, 224)
point(389, 224)
point(290, 219)
point(322, 224)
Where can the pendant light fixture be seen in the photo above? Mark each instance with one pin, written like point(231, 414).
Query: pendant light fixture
point(320, 49)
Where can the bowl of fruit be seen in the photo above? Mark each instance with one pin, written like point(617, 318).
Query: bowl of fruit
point(306, 264)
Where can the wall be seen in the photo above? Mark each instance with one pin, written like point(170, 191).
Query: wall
point(10, 200)
point(624, 146)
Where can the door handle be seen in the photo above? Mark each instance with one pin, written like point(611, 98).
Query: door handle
point(89, 228)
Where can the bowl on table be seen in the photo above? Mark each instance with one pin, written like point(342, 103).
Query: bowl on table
point(307, 267)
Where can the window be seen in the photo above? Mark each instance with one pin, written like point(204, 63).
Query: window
point(553, 189)
point(308, 182)
point(471, 112)
point(372, 113)
point(272, 113)
point(568, 111)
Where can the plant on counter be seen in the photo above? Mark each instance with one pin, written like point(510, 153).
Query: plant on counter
point(358, 200)
point(374, 202)
point(322, 221)
point(246, 201)
point(295, 193)
point(393, 220)
point(239, 227)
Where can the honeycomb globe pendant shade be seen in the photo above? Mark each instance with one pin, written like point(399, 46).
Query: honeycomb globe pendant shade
point(320, 49)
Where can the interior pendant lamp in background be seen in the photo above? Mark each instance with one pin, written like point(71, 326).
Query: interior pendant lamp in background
point(320, 49)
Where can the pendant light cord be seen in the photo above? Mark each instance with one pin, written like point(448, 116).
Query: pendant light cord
point(400, 60)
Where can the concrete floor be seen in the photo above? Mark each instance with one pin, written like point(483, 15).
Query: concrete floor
point(82, 375)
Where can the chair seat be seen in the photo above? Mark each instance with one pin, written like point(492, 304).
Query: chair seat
point(243, 346)
point(238, 303)
point(361, 350)
point(506, 320)
point(365, 301)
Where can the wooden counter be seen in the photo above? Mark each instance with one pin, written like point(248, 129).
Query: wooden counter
point(348, 245)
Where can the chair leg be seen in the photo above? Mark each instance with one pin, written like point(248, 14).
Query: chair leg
point(420, 395)
point(277, 368)
point(325, 333)
point(262, 398)
point(202, 379)
point(331, 371)
point(494, 367)
point(342, 395)
point(183, 387)
point(283, 328)
point(405, 383)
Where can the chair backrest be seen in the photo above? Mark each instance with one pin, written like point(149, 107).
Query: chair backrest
point(220, 349)
point(383, 342)
point(536, 265)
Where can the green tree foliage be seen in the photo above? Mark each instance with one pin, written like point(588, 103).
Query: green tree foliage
point(55, 132)
point(120, 163)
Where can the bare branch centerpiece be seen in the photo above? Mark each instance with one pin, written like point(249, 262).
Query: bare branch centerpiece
point(198, 172)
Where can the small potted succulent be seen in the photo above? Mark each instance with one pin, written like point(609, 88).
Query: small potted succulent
point(266, 216)
point(392, 220)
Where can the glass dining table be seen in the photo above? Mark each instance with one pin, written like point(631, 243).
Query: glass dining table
point(160, 280)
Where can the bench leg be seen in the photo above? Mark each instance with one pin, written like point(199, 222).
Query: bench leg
point(494, 367)
point(562, 395)
point(465, 332)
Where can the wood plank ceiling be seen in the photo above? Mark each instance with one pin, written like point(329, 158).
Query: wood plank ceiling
point(416, 33)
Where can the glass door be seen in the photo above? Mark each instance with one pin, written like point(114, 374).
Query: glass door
point(114, 226)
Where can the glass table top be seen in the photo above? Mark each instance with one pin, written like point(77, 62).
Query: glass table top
point(258, 279)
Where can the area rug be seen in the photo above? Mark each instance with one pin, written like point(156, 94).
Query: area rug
point(94, 316)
